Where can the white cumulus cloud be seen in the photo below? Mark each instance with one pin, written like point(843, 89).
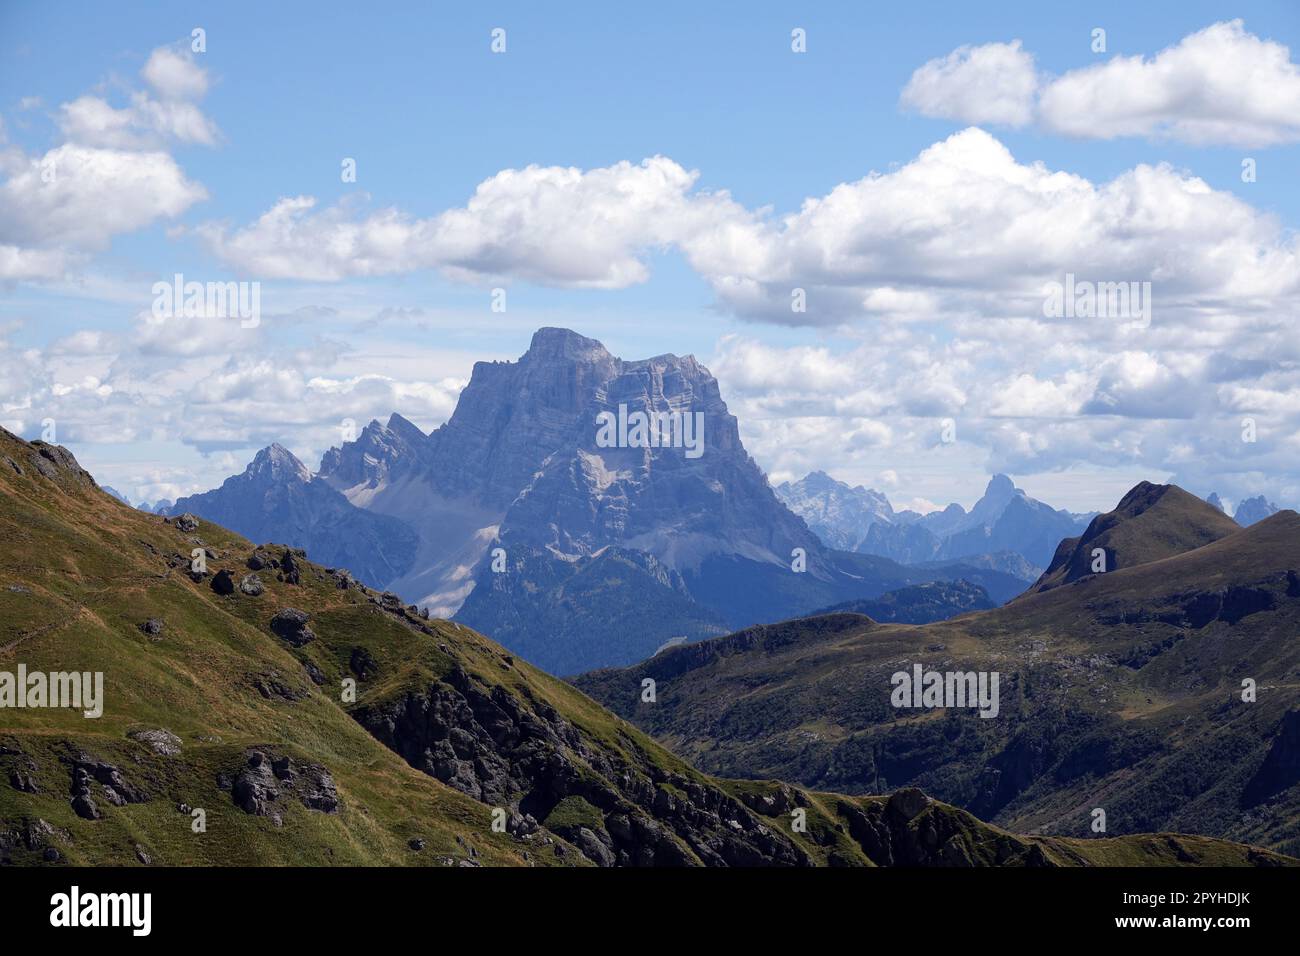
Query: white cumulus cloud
point(1220, 85)
point(992, 83)
point(79, 197)
point(553, 225)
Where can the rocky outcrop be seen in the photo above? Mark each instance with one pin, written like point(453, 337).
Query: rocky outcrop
point(23, 782)
point(259, 788)
point(56, 463)
point(95, 780)
point(909, 830)
point(485, 742)
point(186, 523)
point(34, 835)
point(290, 625)
point(162, 742)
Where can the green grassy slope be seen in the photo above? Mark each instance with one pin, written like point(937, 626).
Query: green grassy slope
point(1121, 691)
point(1150, 523)
point(253, 727)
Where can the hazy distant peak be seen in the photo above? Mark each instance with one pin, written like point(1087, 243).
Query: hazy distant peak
point(1254, 509)
point(277, 462)
point(1000, 486)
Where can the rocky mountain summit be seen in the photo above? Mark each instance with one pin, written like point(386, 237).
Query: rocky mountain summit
point(838, 514)
point(278, 498)
point(1254, 509)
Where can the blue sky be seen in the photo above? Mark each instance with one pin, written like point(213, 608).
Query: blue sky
point(415, 95)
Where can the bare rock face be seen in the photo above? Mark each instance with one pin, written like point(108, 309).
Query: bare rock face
point(290, 624)
point(259, 788)
point(489, 744)
point(186, 522)
point(908, 803)
point(160, 741)
point(94, 781)
point(1253, 510)
point(378, 452)
point(23, 782)
point(514, 415)
point(516, 419)
point(679, 504)
point(696, 506)
point(56, 463)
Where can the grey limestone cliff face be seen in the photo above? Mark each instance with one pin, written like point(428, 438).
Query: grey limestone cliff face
point(508, 421)
point(520, 465)
point(377, 452)
point(677, 505)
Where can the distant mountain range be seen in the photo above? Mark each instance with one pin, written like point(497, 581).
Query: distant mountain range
point(574, 544)
point(585, 510)
point(1016, 533)
point(116, 494)
point(1248, 510)
point(1006, 530)
point(278, 499)
point(1151, 674)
